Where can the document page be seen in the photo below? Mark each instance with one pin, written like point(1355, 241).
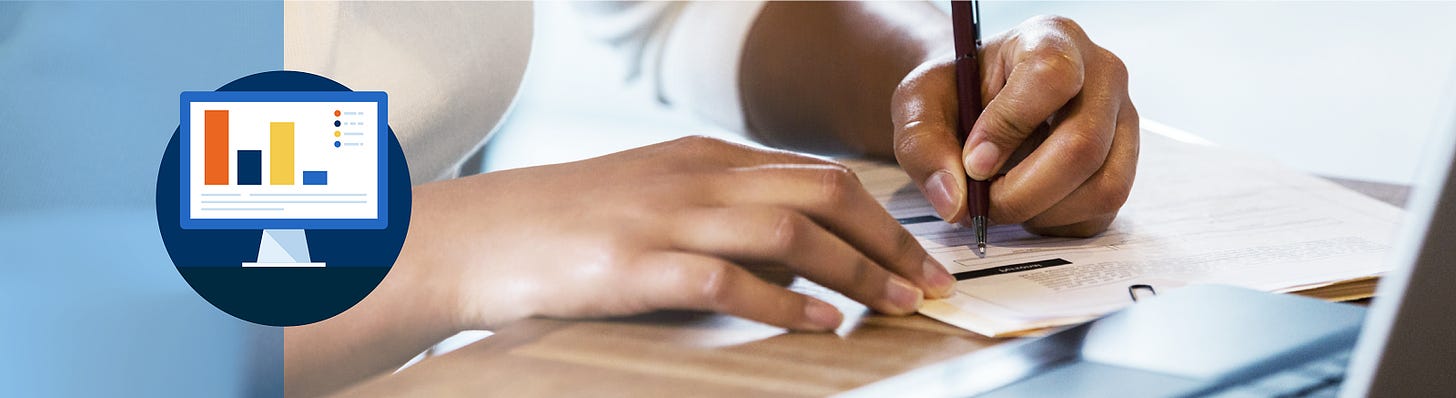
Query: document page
point(1197, 215)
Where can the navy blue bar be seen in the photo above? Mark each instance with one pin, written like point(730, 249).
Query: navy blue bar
point(250, 167)
point(315, 178)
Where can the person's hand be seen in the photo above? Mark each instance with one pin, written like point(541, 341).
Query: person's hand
point(685, 224)
point(1055, 102)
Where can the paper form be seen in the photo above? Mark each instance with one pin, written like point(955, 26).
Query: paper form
point(1196, 215)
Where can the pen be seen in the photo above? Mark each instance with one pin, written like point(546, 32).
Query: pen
point(966, 18)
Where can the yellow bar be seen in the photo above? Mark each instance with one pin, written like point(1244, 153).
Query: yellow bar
point(280, 161)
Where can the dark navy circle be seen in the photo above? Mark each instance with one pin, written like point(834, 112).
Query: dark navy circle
point(336, 123)
point(210, 260)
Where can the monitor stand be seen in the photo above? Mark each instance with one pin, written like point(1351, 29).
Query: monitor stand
point(283, 248)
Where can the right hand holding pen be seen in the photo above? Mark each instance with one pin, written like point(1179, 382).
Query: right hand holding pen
point(1049, 91)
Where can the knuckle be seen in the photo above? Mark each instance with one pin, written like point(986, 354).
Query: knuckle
point(906, 247)
point(1084, 165)
point(910, 137)
point(787, 231)
point(1060, 24)
point(1131, 116)
point(717, 286)
point(916, 138)
point(1067, 24)
point(863, 275)
point(1114, 194)
point(1111, 202)
point(620, 253)
point(1086, 148)
point(1056, 69)
point(607, 262)
point(836, 183)
point(1005, 130)
point(1117, 69)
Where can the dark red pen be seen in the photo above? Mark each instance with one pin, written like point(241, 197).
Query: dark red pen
point(965, 17)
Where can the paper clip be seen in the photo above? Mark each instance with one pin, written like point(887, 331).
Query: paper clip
point(1132, 291)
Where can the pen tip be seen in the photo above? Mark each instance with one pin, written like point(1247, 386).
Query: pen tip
point(978, 223)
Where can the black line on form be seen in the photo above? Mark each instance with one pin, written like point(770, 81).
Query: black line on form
point(916, 220)
point(1011, 268)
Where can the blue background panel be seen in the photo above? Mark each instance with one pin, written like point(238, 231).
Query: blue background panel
point(89, 303)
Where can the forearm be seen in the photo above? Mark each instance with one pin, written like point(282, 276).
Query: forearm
point(819, 76)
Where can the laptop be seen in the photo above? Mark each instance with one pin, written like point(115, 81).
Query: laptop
point(1220, 341)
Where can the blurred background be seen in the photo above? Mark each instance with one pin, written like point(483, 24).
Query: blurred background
point(90, 305)
point(1337, 88)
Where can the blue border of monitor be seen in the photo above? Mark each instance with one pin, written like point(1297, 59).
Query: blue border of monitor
point(381, 220)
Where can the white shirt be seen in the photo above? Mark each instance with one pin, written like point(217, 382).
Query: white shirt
point(453, 69)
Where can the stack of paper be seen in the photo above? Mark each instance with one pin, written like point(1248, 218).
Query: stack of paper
point(1197, 215)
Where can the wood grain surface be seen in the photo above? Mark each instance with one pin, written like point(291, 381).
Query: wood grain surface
point(696, 354)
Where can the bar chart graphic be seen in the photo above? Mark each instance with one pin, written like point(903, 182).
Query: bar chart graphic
point(283, 160)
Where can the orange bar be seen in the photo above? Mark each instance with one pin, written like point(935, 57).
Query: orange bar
point(215, 148)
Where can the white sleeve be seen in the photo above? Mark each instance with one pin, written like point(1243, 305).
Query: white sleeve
point(451, 69)
point(687, 52)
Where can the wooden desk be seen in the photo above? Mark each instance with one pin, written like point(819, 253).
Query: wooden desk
point(680, 354)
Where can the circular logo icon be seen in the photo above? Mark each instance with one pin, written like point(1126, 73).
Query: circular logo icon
point(283, 197)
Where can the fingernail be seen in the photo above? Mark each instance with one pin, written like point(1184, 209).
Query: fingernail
point(942, 284)
point(942, 192)
point(822, 315)
point(982, 160)
point(905, 298)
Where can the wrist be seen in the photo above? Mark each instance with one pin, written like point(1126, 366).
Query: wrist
point(426, 299)
point(458, 272)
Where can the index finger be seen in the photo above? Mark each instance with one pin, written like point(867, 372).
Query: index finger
point(833, 197)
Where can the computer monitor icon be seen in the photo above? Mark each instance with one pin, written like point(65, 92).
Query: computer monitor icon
point(284, 162)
